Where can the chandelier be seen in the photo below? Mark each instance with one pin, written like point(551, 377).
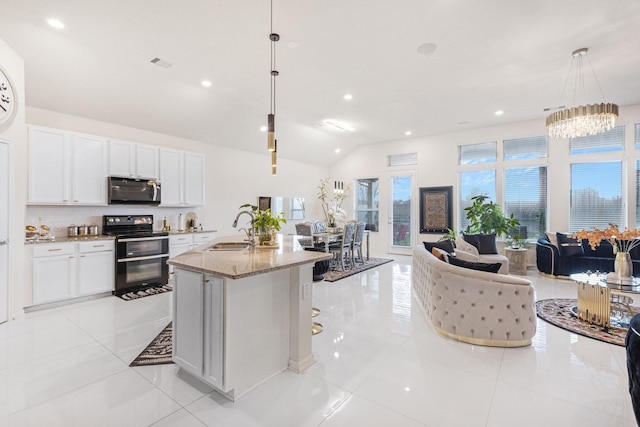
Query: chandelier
point(583, 120)
point(271, 117)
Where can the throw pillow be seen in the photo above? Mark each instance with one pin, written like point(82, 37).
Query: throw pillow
point(486, 243)
point(480, 266)
point(445, 245)
point(568, 246)
point(552, 238)
point(442, 255)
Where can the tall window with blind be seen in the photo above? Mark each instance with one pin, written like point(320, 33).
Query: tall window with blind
point(476, 182)
point(637, 177)
point(525, 188)
point(596, 187)
point(367, 200)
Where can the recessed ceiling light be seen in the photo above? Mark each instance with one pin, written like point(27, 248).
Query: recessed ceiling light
point(348, 97)
point(408, 133)
point(55, 23)
point(337, 151)
point(206, 83)
point(427, 48)
point(263, 128)
point(499, 113)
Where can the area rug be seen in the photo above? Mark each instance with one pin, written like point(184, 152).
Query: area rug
point(560, 312)
point(333, 275)
point(158, 352)
point(154, 290)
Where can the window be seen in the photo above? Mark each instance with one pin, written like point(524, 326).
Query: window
point(402, 159)
point(525, 148)
point(475, 183)
point(367, 199)
point(525, 196)
point(637, 189)
point(477, 153)
point(637, 136)
point(596, 202)
point(603, 142)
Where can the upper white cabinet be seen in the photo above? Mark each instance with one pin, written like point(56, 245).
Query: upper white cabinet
point(181, 178)
point(129, 159)
point(66, 168)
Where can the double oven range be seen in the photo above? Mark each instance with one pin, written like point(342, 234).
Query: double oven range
point(141, 253)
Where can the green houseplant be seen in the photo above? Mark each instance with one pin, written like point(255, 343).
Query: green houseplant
point(487, 218)
point(265, 223)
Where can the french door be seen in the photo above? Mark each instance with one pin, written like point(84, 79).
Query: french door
point(5, 177)
point(401, 213)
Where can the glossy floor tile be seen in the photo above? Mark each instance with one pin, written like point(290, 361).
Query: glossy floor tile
point(378, 363)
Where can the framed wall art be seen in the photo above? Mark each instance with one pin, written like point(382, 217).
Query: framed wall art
point(264, 203)
point(436, 209)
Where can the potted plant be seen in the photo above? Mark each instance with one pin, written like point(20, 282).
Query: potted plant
point(266, 223)
point(487, 218)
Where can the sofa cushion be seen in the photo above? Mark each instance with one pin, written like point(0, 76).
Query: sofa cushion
point(465, 246)
point(445, 245)
point(552, 238)
point(480, 266)
point(568, 246)
point(486, 243)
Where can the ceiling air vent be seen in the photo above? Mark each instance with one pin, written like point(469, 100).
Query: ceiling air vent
point(161, 63)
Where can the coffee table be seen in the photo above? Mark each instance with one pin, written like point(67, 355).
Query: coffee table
point(596, 302)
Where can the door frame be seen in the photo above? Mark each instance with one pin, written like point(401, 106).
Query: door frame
point(7, 274)
point(401, 250)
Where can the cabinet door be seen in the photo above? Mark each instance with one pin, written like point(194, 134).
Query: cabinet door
point(188, 328)
point(48, 166)
point(200, 238)
point(121, 158)
point(171, 177)
point(96, 273)
point(53, 278)
point(193, 179)
point(89, 170)
point(147, 161)
point(213, 331)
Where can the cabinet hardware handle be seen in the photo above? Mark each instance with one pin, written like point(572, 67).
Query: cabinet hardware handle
point(98, 246)
point(75, 201)
point(53, 250)
point(81, 256)
point(206, 280)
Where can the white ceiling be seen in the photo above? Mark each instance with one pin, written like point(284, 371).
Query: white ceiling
point(511, 55)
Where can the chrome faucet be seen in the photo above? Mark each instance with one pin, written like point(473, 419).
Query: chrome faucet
point(253, 228)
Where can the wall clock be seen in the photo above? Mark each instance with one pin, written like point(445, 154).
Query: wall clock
point(7, 99)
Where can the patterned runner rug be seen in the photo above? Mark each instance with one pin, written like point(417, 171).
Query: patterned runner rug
point(158, 352)
point(560, 312)
point(154, 290)
point(333, 275)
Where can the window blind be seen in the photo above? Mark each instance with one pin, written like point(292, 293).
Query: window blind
point(611, 140)
point(596, 195)
point(533, 147)
point(402, 159)
point(525, 196)
point(477, 153)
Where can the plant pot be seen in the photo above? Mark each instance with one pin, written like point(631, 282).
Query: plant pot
point(622, 265)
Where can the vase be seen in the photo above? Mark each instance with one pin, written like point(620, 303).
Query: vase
point(264, 236)
point(622, 265)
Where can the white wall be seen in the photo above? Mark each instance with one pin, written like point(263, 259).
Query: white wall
point(15, 132)
point(437, 166)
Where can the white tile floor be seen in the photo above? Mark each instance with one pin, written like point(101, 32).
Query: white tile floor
point(378, 363)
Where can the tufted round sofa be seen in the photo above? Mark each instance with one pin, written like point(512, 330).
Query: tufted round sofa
point(473, 306)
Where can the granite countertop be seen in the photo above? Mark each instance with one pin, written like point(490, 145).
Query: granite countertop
point(171, 233)
point(247, 262)
point(65, 239)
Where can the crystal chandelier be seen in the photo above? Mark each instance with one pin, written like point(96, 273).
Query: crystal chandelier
point(583, 120)
point(271, 117)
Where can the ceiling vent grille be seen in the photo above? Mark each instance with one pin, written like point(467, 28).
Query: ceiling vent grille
point(161, 63)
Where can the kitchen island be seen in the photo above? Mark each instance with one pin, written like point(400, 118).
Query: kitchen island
point(242, 316)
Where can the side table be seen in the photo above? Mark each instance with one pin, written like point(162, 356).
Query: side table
point(517, 260)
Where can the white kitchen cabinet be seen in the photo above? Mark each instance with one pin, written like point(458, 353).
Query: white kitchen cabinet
point(130, 159)
point(96, 271)
point(49, 166)
point(181, 178)
point(66, 168)
point(72, 269)
point(180, 243)
point(198, 325)
point(53, 272)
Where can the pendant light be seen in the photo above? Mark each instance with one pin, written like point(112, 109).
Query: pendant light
point(271, 117)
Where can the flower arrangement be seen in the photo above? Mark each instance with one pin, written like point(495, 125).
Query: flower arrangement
point(332, 208)
point(621, 240)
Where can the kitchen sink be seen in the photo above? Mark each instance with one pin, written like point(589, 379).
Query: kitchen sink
point(228, 246)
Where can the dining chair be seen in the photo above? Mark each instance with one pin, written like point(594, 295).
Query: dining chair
point(319, 226)
point(343, 248)
point(305, 229)
point(358, 236)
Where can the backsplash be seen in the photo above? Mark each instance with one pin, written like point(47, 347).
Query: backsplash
point(58, 218)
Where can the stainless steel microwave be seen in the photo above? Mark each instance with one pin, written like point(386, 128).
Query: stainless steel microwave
point(130, 191)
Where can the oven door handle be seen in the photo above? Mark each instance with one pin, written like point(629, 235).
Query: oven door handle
point(141, 239)
point(143, 258)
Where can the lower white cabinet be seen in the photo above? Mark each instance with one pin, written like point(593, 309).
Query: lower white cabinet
point(72, 269)
point(198, 326)
point(183, 242)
